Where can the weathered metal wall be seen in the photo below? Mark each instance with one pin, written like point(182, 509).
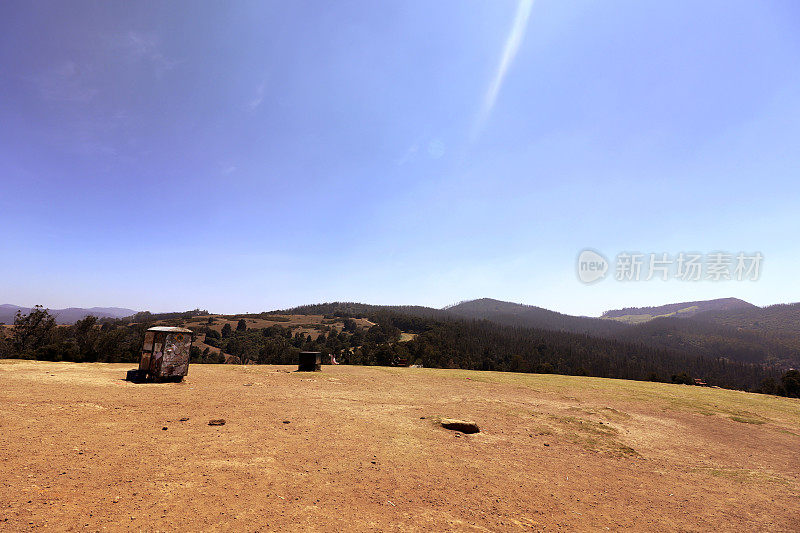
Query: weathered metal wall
point(176, 355)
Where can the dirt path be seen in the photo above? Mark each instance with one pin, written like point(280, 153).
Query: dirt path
point(348, 449)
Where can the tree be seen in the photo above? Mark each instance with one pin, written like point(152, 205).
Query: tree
point(6, 348)
point(86, 334)
point(770, 386)
point(791, 383)
point(242, 325)
point(226, 331)
point(195, 355)
point(32, 331)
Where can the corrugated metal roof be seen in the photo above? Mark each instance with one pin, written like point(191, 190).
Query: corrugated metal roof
point(169, 329)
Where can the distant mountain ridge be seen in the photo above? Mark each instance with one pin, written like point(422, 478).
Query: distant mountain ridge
point(530, 316)
point(637, 315)
point(69, 315)
point(485, 333)
point(725, 327)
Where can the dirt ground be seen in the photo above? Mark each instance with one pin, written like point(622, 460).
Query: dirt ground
point(359, 448)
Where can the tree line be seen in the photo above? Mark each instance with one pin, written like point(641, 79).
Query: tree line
point(36, 336)
point(438, 342)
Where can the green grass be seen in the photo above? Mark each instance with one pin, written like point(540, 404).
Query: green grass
point(591, 435)
point(639, 319)
point(746, 420)
point(744, 475)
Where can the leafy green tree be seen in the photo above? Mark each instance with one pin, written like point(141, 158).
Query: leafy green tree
point(5, 345)
point(86, 334)
point(791, 383)
point(226, 331)
point(32, 331)
point(770, 386)
point(682, 379)
point(195, 356)
point(242, 325)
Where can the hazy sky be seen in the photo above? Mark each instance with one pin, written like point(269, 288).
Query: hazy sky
point(244, 156)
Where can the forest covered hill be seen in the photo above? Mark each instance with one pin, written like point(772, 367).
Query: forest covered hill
point(748, 349)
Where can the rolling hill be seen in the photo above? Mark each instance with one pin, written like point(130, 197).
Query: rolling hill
point(69, 315)
point(529, 316)
point(637, 315)
point(724, 328)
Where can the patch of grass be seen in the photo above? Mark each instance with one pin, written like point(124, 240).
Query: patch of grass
point(744, 475)
point(632, 319)
point(591, 435)
point(607, 413)
point(746, 420)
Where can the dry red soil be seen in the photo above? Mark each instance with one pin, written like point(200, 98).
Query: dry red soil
point(355, 448)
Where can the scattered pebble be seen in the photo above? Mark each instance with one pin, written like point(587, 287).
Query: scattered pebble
point(217, 422)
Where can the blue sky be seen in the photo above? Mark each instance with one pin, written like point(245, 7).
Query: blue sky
point(247, 156)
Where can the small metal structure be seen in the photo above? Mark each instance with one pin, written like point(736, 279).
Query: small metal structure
point(310, 362)
point(165, 355)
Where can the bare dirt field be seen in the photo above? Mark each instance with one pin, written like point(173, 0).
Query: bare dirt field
point(360, 448)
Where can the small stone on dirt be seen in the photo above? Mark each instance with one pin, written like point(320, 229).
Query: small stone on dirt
point(460, 425)
point(184, 419)
point(164, 428)
point(217, 422)
point(287, 421)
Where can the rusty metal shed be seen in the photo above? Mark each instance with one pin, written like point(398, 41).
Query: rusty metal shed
point(165, 355)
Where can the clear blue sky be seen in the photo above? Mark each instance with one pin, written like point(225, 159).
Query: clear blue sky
point(247, 156)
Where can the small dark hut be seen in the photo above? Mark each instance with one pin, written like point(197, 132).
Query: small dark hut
point(310, 362)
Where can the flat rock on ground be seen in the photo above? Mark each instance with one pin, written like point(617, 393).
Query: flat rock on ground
point(460, 425)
